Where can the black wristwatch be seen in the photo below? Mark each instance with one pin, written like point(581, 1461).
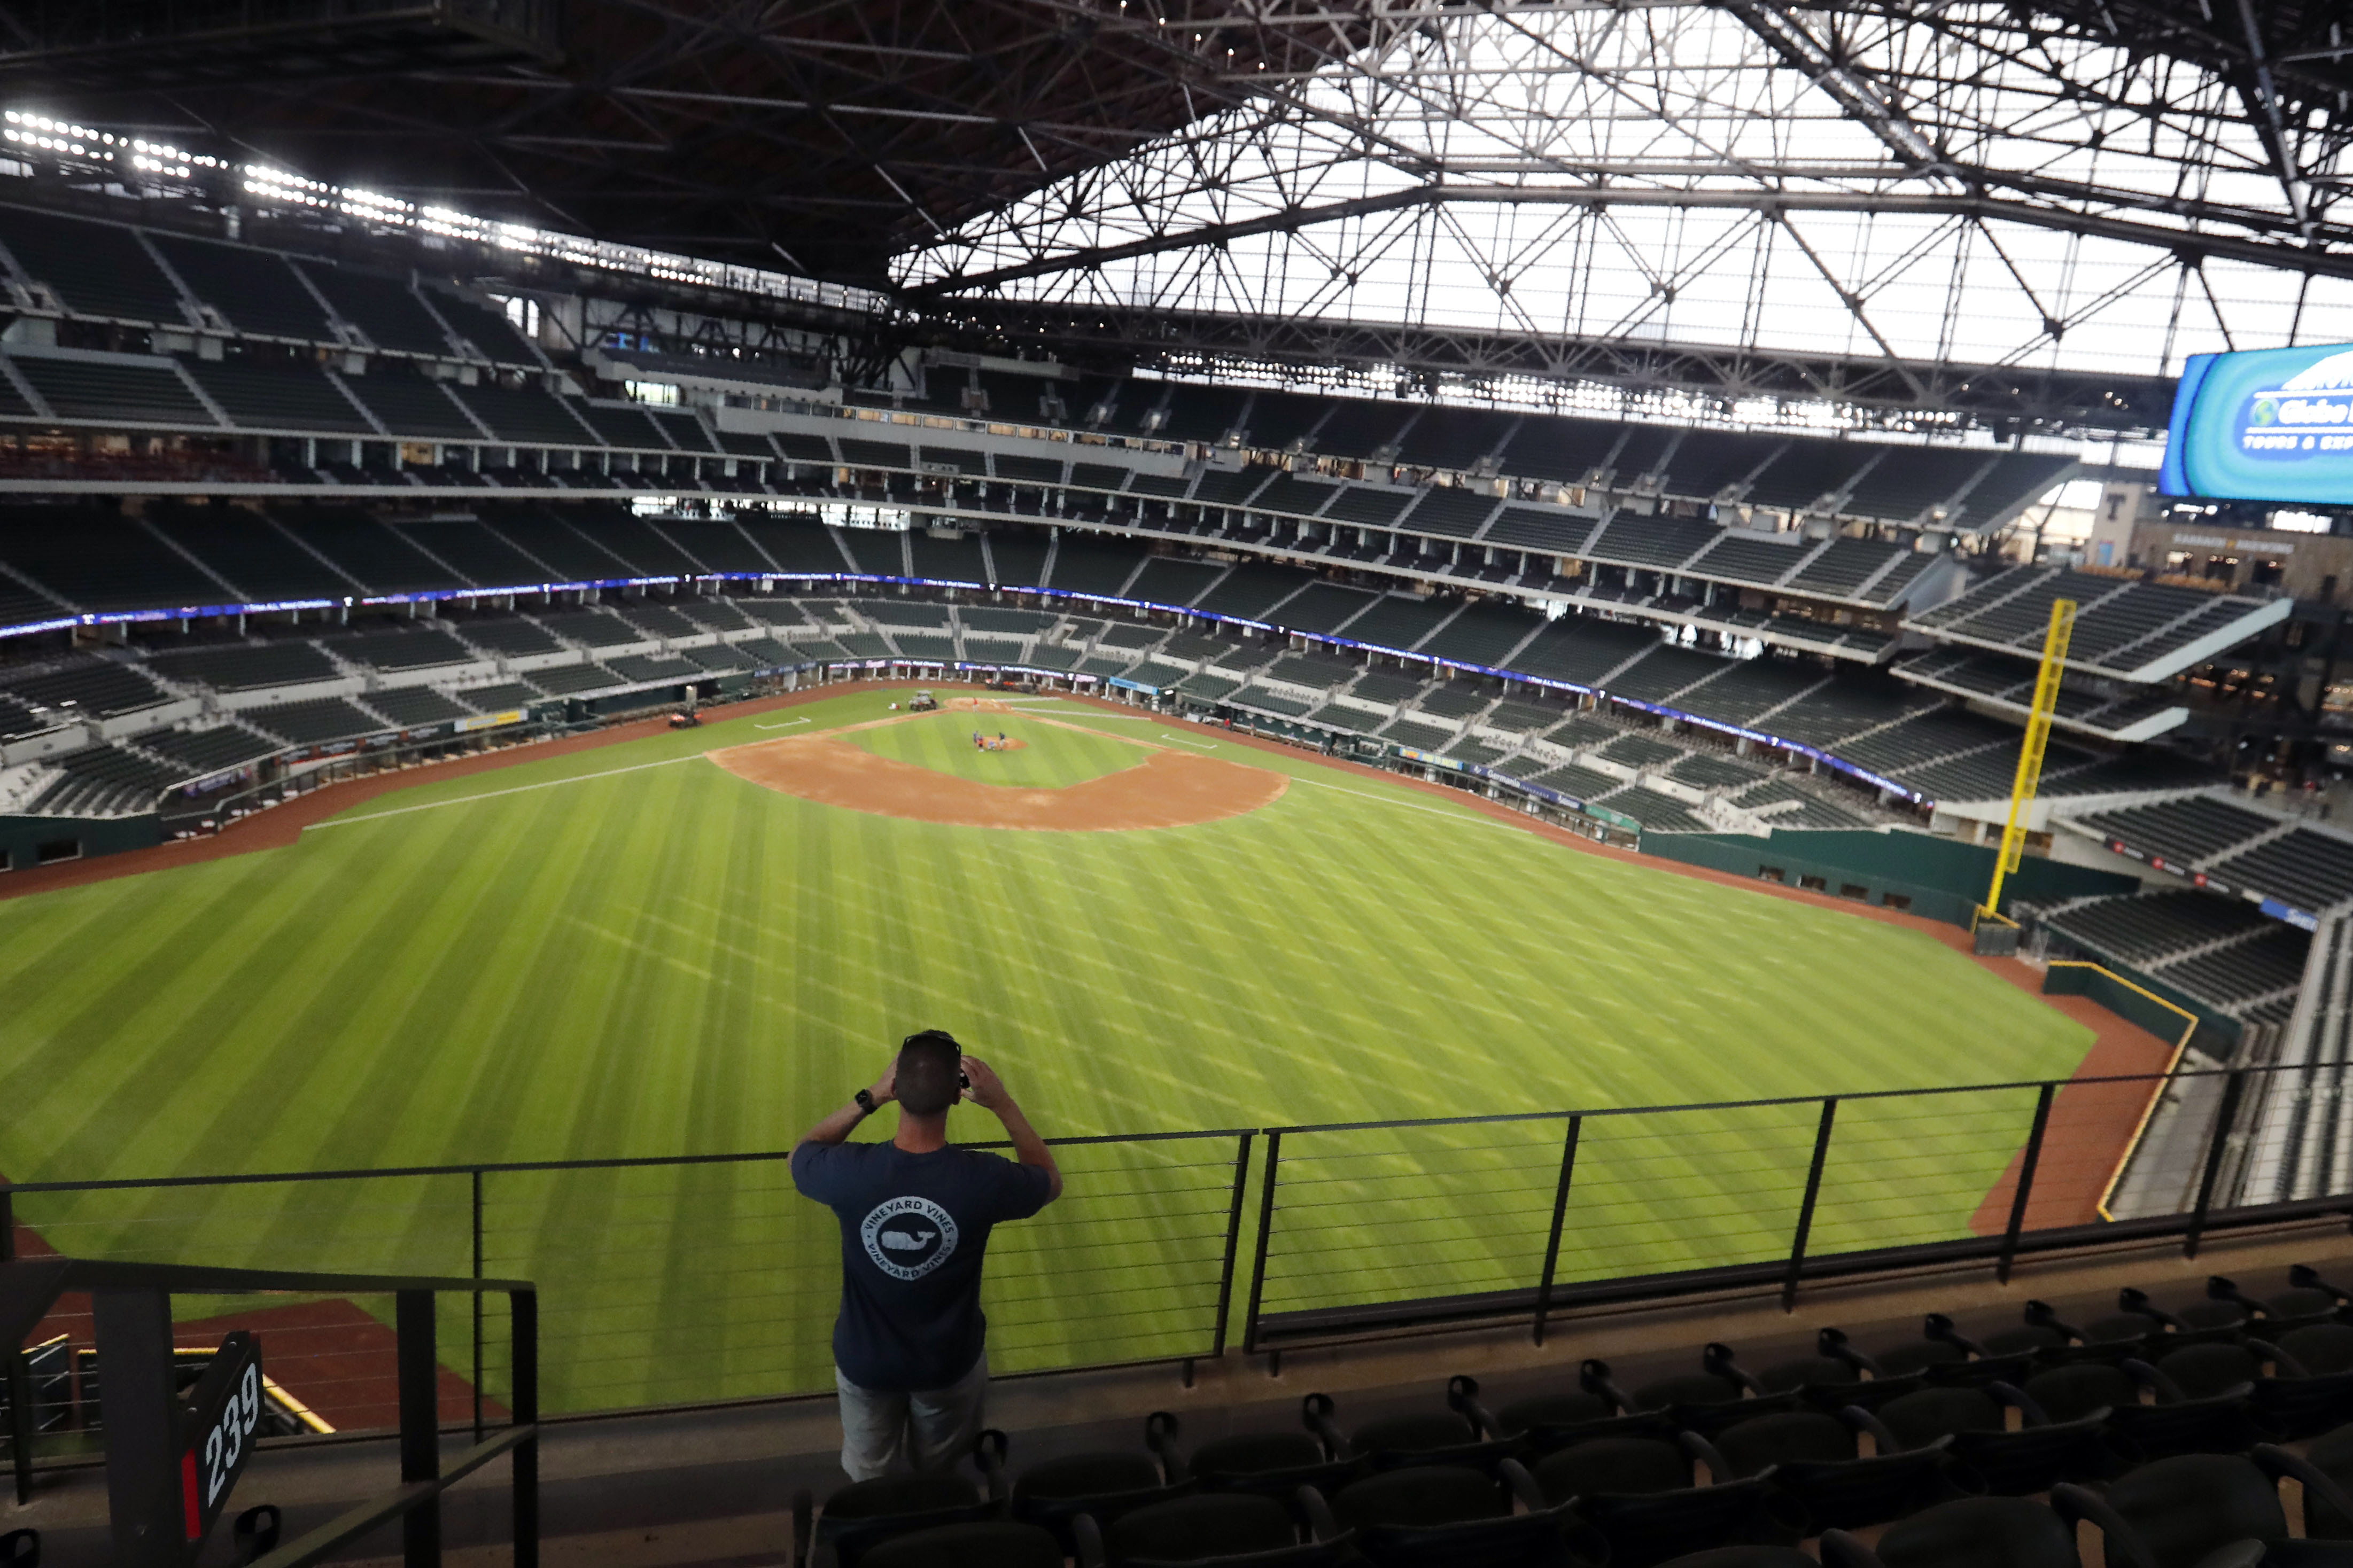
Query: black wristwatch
point(865, 1098)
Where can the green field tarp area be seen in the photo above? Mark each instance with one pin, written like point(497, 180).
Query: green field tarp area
point(1943, 880)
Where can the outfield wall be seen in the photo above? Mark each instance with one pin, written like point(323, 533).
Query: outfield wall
point(30, 841)
point(1937, 877)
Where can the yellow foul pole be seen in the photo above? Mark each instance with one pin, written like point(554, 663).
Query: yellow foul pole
point(2030, 753)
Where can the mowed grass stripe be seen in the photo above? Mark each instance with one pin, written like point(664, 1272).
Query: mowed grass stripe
point(678, 961)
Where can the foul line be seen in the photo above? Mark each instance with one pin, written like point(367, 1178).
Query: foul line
point(785, 725)
point(1204, 745)
point(493, 794)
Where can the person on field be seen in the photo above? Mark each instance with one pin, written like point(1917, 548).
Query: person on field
point(908, 1345)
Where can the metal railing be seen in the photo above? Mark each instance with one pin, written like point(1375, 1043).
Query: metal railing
point(700, 1279)
point(168, 1477)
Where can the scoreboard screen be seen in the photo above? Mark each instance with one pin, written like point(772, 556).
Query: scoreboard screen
point(2269, 425)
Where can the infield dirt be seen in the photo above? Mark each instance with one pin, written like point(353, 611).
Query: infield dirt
point(1170, 789)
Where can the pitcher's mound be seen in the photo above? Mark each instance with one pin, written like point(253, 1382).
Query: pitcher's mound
point(1171, 789)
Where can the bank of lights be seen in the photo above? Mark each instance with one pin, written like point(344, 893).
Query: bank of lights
point(38, 131)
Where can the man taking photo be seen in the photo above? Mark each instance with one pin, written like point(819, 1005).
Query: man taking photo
point(908, 1349)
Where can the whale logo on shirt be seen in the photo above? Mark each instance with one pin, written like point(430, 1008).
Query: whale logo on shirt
point(907, 1238)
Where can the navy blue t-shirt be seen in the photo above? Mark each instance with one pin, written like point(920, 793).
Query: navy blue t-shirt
point(914, 1230)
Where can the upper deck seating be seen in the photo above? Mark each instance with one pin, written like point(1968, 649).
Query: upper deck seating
point(290, 396)
point(94, 268)
point(101, 561)
point(147, 392)
point(386, 310)
point(407, 404)
point(524, 413)
point(248, 668)
point(254, 290)
point(487, 329)
point(248, 553)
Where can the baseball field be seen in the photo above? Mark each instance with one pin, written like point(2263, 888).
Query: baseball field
point(696, 944)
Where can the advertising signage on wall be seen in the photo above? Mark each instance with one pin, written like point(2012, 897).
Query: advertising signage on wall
point(2268, 424)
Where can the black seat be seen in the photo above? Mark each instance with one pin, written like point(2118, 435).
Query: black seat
point(994, 1544)
point(1969, 1533)
point(1814, 1460)
point(2010, 1356)
point(1705, 1400)
point(2299, 1306)
point(2180, 1422)
point(1838, 1374)
point(1206, 1529)
point(2102, 1338)
point(2071, 1392)
point(2332, 1455)
point(1985, 1456)
point(1928, 1413)
point(2215, 1320)
point(1637, 1496)
point(1450, 1516)
point(1271, 1464)
point(1104, 1486)
point(863, 1514)
point(1447, 1437)
point(2176, 1511)
point(2287, 1401)
point(1542, 1423)
point(2319, 1348)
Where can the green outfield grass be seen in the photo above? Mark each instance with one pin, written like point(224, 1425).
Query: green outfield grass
point(631, 952)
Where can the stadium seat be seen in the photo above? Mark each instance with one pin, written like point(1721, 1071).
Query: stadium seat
point(2332, 1454)
point(2301, 1397)
point(1213, 1530)
point(1987, 1457)
point(2176, 1511)
point(1420, 1439)
point(2126, 1333)
point(1102, 1485)
point(1638, 1497)
point(1448, 1516)
point(1815, 1461)
point(1706, 1401)
point(2213, 1319)
point(1544, 1422)
point(864, 1514)
point(988, 1543)
point(2297, 1307)
point(2008, 1356)
point(1837, 1376)
point(2182, 1422)
point(1271, 1464)
point(1968, 1533)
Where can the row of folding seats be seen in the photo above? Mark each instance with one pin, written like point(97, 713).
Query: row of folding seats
point(1719, 1468)
point(104, 269)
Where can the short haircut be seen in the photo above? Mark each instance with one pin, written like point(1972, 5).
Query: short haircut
point(931, 1072)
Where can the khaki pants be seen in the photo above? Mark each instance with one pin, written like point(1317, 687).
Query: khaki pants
point(934, 1427)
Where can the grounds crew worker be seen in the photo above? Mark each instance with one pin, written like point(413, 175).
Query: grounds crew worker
point(908, 1352)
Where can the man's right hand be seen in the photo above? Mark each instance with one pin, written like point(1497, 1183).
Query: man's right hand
point(886, 1088)
point(986, 1090)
